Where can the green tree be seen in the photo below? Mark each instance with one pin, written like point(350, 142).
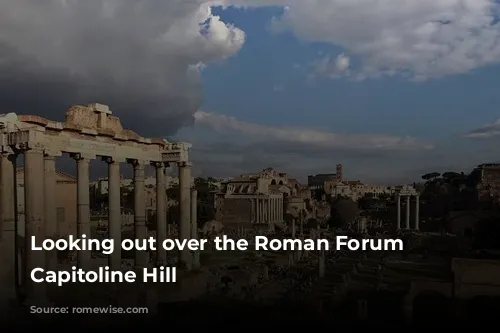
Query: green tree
point(342, 212)
point(431, 176)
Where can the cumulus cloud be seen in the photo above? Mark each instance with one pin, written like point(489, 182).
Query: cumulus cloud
point(333, 67)
point(314, 139)
point(485, 132)
point(140, 57)
point(417, 38)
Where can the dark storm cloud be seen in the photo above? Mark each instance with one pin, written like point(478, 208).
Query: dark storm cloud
point(140, 58)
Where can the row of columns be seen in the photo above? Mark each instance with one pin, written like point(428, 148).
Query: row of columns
point(408, 204)
point(268, 210)
point(41, 213)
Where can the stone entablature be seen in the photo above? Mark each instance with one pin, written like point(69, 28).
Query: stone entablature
point(90, 131)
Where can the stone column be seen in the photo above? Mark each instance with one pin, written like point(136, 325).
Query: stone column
point(49, 167)
point(407, 222)
point(194, 227)
point(259, 210)
point(271, 205)
point(34, 212)
point(280, 206)
point(417, 211)
point(252, 211)
point(256, 203)
point(161, 213)
point(8, 283)
point(275, 210)
point(84, 258)
point(141, 230)
point(275, 206)
point(114, 216)
point(185, 210)
point(262, 211)
point(398, 205)
point(268, 210)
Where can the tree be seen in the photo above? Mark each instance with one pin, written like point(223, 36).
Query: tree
point(342, 212)
point(367, 202)
point(450, 175)
point(431, 176)
point(487, 234)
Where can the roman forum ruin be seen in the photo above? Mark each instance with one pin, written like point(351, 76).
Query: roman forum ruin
point(88, 132)
point(408, 192)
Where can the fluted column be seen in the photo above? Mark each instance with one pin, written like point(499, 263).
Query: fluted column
point(83, 208)
point(34, 222)
point(161, 212)
point(185, 210)
point(8, 251)
point(194, 226)
point(398, 205)
point(417, 212)
point(114, 216)
point(49, 198)
point(140, 227)
point(407, 222)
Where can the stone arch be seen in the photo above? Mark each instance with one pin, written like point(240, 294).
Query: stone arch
point(281, 182)
point(273, 182)
point(431, 307)
point(482, 308)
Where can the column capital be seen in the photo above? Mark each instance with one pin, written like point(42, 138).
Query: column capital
point(137, 163)
point(157, 164)
point(10, 156)
point(34, 150)
point(81, 157)
point(50, 153)
point(109, 160)
point(184, 164)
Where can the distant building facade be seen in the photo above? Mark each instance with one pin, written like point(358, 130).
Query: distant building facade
point(489, 183)
point(259, 198)
point(318, 182)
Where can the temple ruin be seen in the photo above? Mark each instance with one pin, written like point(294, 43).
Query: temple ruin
point(88, 132)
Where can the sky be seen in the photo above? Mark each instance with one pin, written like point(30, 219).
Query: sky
point(391, 89)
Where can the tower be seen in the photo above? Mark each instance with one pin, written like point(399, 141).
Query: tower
point(339, 172)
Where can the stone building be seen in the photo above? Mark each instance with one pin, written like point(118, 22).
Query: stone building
point(489, 183)
point(355, 190)
point(259, 198)
point(317, 182)
point(66, 190)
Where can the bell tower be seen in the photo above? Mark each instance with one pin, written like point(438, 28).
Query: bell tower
point(340, 176)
